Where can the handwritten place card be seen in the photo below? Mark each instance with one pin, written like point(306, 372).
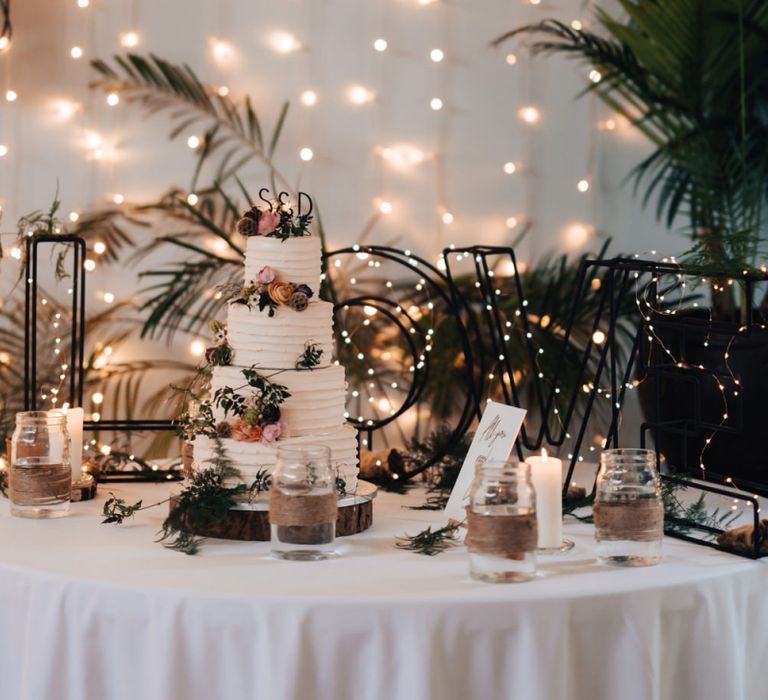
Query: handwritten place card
point(494, 439)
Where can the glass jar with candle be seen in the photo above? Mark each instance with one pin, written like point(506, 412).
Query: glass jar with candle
point(40, 475)
point(628, 509)
point(303, 503)
point(501, 523)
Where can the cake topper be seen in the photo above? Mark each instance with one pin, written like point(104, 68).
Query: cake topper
point(276, 217)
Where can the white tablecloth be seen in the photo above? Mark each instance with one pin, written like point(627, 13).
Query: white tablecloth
point(99, 612)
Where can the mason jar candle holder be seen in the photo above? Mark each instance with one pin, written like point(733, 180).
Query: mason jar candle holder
point(303, 504)
point(628, 509)
point(40, 473)
point(502, 532)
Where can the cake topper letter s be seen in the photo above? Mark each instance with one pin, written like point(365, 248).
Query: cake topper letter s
point(263, 198)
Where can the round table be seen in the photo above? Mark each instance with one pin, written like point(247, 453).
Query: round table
point(92, 611)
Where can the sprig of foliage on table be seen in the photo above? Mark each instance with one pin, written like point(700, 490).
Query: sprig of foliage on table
point(430, 542)
point(201, 505)
point(116, 510)
point(681, 517)
point(206, 501)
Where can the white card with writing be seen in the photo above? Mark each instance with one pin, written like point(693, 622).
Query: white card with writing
point(494, 439)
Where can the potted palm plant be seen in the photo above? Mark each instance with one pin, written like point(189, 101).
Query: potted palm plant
point(692, 77)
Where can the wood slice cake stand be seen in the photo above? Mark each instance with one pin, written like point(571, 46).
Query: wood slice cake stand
point(250, 521)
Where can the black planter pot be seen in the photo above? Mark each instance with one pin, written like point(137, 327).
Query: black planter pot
point(690, 404)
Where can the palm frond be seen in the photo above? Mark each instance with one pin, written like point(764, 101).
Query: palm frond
point(232, 129)
point(692, 76)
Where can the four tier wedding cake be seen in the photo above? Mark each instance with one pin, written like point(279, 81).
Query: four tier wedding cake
point(273, 381)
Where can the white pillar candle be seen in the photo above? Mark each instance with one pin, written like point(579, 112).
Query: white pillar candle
point(75, 429)
point(547, 477)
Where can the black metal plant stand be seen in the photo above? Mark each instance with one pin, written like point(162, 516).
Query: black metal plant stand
point(76, 353)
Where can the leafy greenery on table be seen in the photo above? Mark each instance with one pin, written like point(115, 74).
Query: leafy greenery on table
point(204, 502)
point(430, 542)
point(681, 517)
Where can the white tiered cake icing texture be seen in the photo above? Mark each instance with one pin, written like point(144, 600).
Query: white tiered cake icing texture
point(296, 259)
point(316, 404)
point(276, 342)
point(272, 345)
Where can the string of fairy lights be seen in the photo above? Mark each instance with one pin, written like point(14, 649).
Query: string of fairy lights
point(393, 158)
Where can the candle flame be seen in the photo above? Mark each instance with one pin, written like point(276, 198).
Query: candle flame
point(544, 454)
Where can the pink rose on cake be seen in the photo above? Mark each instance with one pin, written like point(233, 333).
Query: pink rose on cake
point(274, 431)
point(266, 275)
point(242, 432)
point(268, 222)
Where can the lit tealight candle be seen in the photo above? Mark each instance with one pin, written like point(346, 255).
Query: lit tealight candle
point(547, 477)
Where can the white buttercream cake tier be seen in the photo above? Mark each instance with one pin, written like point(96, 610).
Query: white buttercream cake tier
point(251, 457)
point(296, 259)
point(271, 345)
point(279, 340)
point(317, 400)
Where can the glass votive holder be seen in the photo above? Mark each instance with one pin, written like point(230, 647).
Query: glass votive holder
point(502, 532)
point(40, 473)
point(628, 509)
point(303, 503)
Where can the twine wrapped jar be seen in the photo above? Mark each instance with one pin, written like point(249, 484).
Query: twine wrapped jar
point(502, 532)
point(303, 503)
point(40, 475)
point(628, 509)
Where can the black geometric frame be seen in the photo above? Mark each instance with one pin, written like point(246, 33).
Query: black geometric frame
point(77, 353)
point(619, 277)
point(614, 365)
point(76, 360)
point(439, 284)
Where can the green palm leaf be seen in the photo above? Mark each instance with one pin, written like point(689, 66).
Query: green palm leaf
point(231, 128)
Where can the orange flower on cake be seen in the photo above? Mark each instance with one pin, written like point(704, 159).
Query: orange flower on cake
point(242, 432)
point(280, 292)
